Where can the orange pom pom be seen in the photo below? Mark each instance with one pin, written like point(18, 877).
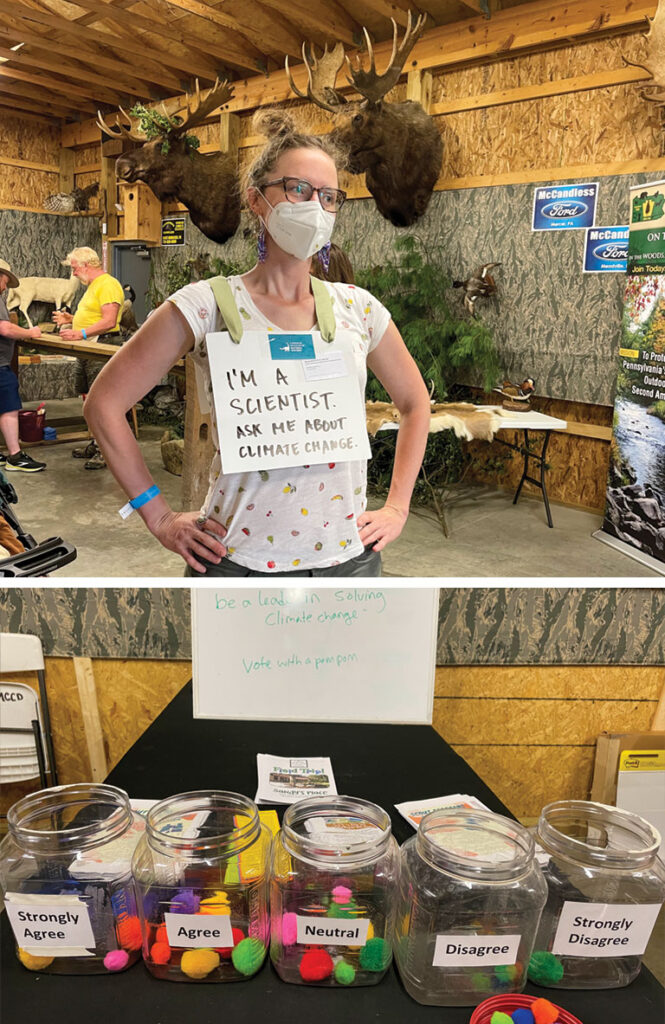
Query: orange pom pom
point(160, 953)
point(129, 933)
point(544, 1011)
point(162, 934)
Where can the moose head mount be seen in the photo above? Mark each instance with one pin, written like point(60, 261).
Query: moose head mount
point(169, 164)
point(396, 145)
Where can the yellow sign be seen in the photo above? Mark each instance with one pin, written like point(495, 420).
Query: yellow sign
point(642, 760)
point(630, 353)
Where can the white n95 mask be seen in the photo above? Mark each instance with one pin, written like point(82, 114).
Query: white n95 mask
point(300, 229)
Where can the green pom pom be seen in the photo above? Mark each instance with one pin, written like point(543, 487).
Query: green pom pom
point(506, 972)
point(345, 974)
point(500, 1018)
point(481, 982)
point(375, 955)
point(545, 968)
point(342, 909)
point(248, 956)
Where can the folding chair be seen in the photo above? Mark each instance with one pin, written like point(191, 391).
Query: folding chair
point(24, 713)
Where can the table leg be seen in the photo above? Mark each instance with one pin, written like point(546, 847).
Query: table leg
point(540, 483)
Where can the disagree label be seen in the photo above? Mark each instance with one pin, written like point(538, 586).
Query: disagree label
point(475, 950)
point(199, 931)
point(604, 929)
point(54, 927)
point(312, 931)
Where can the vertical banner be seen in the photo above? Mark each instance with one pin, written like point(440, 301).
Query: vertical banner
point(635, 508)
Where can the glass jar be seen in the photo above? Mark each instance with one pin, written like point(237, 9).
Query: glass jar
point(333, 887)
point(471, 895)
point(605, 888)
point(201, 873)
point(65, 870)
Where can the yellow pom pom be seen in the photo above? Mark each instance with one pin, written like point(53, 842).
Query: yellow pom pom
point(34, 963)
point(198, 963)
point(217, 904)
point(370, 935)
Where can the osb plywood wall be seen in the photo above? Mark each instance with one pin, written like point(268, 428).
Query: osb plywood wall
point(530, 731)
point(27, 142)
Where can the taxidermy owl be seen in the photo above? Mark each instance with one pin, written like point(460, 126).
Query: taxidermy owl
point(75, 201)
point(480, 285)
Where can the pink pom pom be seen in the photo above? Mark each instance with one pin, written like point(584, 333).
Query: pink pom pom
point(116, 960)
point(341, 894)
point(289, 929)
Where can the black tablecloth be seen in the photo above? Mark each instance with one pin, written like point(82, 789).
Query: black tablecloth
point(383, 763)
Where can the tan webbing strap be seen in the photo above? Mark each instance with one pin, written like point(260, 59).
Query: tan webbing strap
point(226, 305)
point(324, 309)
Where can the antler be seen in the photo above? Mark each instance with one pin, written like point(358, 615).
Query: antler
point(199, 109)
point(119, 131)
point(372, 86)
point(321, 74)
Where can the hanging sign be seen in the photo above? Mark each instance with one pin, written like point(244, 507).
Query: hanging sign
point(564, 207)
point(646, 243)
point(173, 231)
point(286, 400)
point(606, 250)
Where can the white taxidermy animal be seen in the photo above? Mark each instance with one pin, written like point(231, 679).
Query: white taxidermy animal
point(58, 290)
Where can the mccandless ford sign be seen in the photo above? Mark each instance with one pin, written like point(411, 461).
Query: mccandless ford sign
point(606, 250)
point(564, 207)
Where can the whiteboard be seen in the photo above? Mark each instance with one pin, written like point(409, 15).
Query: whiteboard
point(349, 654)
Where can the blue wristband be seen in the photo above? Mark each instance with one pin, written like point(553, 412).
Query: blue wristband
point(84, 333)
point(143, 499)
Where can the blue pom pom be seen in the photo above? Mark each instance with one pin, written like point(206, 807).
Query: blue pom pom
point(522, 1016)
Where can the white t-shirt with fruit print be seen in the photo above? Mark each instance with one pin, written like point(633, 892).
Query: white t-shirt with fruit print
point(304, 517)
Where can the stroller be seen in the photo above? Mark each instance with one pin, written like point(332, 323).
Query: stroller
point(36, 559)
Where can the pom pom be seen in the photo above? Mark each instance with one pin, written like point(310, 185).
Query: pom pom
point(500, 1018)
point(162, 935)
point(129, 933)
point(185, 901)
point(198, 963)
point(116, 960)
point(273, 122)
point(34, 963)
point(341, 894)
point(316, 965)
point(522, 1016)
point(216, 904)
point(507, 972)
point(289, 929)
point(370, 935)
point(160, 952)
point(342, 909)
point(344, 973)
point(544, 1012)
point(481, 982)
point(375, 955)
point(238, 936)
point(545, 968)
point(248, 956)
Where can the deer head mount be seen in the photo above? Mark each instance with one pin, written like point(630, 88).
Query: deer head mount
point(655, 60)
point(168, 162)
point(396, 145)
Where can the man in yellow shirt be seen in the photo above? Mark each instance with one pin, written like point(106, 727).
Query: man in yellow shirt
point(97, 317)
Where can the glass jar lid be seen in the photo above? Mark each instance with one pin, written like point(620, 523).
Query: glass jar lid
point(69, 818)
point(597, 835)
point(205, 821)
point(475, 844)
point(347, 829)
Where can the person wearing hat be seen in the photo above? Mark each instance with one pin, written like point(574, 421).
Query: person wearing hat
point(10, 402)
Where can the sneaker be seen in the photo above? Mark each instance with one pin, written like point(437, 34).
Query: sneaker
point(24, 463)
point(87, 452)
point(96, 462)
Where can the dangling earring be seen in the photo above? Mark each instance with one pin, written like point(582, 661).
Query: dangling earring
point(324, 257)
point(261, 245)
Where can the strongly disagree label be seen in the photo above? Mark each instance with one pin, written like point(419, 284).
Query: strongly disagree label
point(603, 929)
point(475, 950)
point(312, 931)
point(199, 931)
point(61, 923)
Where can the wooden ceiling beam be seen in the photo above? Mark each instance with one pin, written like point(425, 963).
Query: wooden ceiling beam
point(26, 59)
point(218, 17)
point(9, 109)
point(68, 89)
point(389, 9)
point(37, 96)
point(329, 19)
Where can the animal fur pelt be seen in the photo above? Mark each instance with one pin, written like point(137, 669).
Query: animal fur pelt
point(467, 421)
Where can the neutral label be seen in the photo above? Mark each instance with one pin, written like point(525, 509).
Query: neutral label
point(199, 931)
point(314, 931)
point(50, 925)
point(475, 950)
point(603, 929)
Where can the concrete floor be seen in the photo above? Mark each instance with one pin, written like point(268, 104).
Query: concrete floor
point(488, 536)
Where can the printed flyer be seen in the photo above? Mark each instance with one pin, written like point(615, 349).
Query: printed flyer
point(284, 780)
point(564, 207)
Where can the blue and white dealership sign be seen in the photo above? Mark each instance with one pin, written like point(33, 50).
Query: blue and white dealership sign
point(606, 250)
point(564, 207)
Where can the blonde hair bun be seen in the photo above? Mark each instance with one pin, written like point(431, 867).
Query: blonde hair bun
point(274, 123)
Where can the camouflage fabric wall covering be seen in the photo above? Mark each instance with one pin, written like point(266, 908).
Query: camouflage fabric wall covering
point(555, 626)
point(551, 321)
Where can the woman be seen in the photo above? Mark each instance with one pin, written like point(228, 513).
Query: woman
point(309, 520)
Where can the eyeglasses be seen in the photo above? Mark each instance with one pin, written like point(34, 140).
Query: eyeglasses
point(298, 191)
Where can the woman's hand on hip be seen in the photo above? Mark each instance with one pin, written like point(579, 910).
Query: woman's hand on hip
point(379, 528)
point(184, 533)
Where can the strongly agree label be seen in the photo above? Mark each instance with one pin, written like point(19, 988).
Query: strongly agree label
point(51, 925)
point(604, 929)
point(475, 950)
point(199, 931)
point(312, 931)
